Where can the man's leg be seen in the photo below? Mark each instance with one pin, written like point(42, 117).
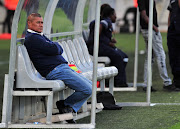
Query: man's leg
point(117, 61)
point(174, 57)
point(124, 56)
point(158, 51)
point(145, 36)
point(161, 58)
point(75, 81)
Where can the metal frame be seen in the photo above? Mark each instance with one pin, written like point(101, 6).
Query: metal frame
point(12, 62)
point(95, 60)
point(149, 71)
point(79, 15)
point(136, 48)
point(48, 17)
point(148, 93)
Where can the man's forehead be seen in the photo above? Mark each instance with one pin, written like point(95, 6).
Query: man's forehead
point(38, 18)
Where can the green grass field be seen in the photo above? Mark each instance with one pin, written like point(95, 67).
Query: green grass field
point(154, 117)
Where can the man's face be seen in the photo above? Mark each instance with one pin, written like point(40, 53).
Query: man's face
point(36, 24)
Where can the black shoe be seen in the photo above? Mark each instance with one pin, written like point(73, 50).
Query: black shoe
point(72, 121)
point(68, 109)
point(60, 105)
point(152, 89)
point(171, 88)
point(65, 109)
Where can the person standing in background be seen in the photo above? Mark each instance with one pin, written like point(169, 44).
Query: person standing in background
point(173, 42)
point(11, 7)
point(157, 46)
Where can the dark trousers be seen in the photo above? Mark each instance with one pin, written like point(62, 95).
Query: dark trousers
point(173, 42)
point(117, 59)
point(8, 21)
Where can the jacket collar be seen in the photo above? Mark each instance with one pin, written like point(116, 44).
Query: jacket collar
point(32, 31)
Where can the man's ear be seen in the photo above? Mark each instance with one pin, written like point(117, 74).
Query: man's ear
point(29, 22)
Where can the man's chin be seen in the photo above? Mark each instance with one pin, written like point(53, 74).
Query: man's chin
point(39, 31)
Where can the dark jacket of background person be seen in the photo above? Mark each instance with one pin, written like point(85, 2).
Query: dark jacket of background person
point(105, 36)
point(144, 5)
point(174, 21)
point(173, 40)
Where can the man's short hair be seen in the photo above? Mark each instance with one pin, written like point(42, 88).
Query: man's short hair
point(32, 16)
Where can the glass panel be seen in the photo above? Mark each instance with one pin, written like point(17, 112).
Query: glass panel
point(85, 17)
point(30, 6)
point(64, 16)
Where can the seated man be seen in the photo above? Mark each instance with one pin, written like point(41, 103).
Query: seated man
point(107, 45)
point(47, 59)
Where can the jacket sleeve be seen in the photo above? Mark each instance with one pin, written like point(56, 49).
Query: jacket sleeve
point(141, 5)
point(169, 6)
point(104, 23)
point(46, 46)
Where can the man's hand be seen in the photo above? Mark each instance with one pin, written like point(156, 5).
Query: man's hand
point(113, 40)
point(146, 19)
point(112, 44)
point(155, 28)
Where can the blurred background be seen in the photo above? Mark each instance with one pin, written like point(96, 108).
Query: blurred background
point(7, 9)
point(125, 10)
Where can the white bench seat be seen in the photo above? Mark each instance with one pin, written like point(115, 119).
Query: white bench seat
point(113, 69)
point(28, 77)
point(75, 52)
point(31, 87)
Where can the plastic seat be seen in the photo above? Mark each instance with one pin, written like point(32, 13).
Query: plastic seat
point(28, 77)
point(31, 83)
point(113, 71)
point(76, 50)
point(85, 34)
point(103, 59)
point(103, 70)
point(100, 74)
point(68, 56)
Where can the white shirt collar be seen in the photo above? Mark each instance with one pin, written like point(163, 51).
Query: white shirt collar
point(31, 31)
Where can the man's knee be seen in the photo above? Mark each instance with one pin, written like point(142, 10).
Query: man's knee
point(87, 91)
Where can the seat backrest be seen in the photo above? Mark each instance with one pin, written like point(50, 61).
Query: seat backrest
point(64, 54)
point(85, 34)
point(85, 50)
point(80, 53)
point(26, 62)
point(76, 57)
point(68, 52)
point(29, 77)
point(73, 51)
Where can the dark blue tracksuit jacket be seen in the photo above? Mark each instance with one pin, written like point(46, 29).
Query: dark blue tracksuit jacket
point(44, 53)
